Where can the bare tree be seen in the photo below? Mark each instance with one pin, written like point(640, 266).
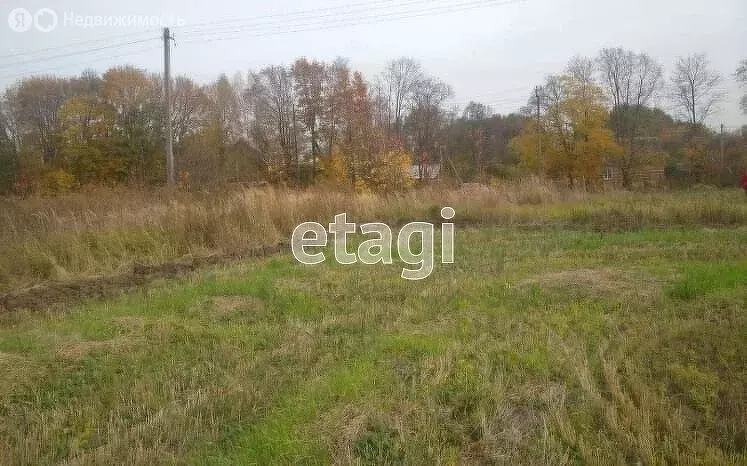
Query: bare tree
point(37, 101)
point(581, 72)
point(616, 70)
point(379, 97)
point(271, 96)
point(189, 107)
point(10, 114)
point(309, 87)
point(8, 154)
point(695, 87)
point(400, 78)
point(426, 119)
point(337, 98)
point(244, 114)
point(630, 81)
point(475, 111)
point(647, 74)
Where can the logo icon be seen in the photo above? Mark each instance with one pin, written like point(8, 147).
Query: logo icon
point(45, 19)
point(20, 20)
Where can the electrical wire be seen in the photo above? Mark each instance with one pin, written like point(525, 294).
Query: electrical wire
point(80, 52)
point(298, 13)
point(346, 22)
point(75, 44)
point(315, 20)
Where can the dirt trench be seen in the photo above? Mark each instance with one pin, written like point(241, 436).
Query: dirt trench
point(104, 286)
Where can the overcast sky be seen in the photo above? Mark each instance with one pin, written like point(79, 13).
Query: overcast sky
point(486, 50)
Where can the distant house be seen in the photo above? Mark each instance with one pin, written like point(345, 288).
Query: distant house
point(645, 176)
point(425, 171)
point(649, 170)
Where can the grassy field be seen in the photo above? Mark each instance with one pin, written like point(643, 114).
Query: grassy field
point(595, 337)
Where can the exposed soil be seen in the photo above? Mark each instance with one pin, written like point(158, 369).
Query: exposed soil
point(97, 287)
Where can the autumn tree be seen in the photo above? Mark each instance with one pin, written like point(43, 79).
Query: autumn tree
point(390, 171)
point(88, 149)
point(576, 141)
point(361, 157)
point(694, 88)
point(349, 122)
point(360, 141)
point(136, 98)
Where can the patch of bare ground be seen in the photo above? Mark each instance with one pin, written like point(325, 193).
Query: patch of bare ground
point(81, 348)
point(607, 283)
point(227, 306)
point(131, 323)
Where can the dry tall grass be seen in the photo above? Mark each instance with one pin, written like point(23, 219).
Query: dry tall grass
point(103, 231)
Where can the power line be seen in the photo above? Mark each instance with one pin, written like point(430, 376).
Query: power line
point(79, 52)
point(272, 29)
point(345, 22)
point(297, 13)
point(351, 10)
point(74, 44)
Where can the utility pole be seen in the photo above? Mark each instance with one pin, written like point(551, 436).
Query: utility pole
point(170, 175)
point(539, 129)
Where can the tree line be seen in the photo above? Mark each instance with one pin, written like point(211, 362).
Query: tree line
point(317, 122)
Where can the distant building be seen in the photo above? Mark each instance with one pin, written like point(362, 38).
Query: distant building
point(425, 171)
point(648, 171)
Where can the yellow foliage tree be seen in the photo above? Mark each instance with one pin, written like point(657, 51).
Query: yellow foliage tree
point(336, 169)
point(391, 171)
point(572, 133)
point(88, 153)
point(526, 144)
point(386, 171)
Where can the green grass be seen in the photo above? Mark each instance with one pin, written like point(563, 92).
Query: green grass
point(536, 347)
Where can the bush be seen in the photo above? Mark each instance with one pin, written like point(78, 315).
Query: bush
point(58, 181)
